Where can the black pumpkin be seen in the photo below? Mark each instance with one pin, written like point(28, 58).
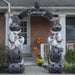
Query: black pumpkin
point(56, 26)
point(56, 68)
point(14, 27)
point(55, 54)
point(16, 55)
point(16, 68)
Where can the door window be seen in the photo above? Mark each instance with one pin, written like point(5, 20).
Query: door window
point(24, 31)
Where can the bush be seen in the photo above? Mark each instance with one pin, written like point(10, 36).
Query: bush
point(73, 56)
point(69, 56)
point(69, 62)
point(67, 66)
point(73, 69)
point(4, 56)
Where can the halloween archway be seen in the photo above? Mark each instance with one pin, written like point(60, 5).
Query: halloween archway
point(55, 55)
point(36, 12)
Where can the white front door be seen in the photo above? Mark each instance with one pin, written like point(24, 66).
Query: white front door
point(25, 27)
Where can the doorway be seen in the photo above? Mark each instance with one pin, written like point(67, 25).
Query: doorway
point(25, 27)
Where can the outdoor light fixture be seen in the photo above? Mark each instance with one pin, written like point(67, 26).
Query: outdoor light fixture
point(15, 43)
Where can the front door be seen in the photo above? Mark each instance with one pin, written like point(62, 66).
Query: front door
point(25, 27)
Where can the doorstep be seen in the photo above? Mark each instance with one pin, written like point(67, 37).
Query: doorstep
point(28, 60)
point(30, 64)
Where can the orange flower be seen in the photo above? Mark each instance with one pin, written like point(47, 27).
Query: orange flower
point(35, 48)
point(38, 42)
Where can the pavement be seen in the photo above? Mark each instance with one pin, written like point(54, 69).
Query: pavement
point(34, 70)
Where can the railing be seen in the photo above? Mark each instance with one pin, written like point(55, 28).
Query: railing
point(70, 46)
point(44, 48)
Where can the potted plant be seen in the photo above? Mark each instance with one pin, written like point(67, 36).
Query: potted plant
point(39, 60)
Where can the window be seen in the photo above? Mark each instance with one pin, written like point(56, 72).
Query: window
point(70, 28)
point(24, 31)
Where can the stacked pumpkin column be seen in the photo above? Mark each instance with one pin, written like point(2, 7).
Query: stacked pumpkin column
point(55, 65)
point(15, 43)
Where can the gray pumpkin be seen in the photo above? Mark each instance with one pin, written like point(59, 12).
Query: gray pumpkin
point(55, 54)
point(56, 68)
point(14, 27)
point(16, 68)
point(16, 55)
point(56, 26)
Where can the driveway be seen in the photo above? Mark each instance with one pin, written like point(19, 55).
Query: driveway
point(34, 70)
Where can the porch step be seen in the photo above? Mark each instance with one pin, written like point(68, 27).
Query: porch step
point(26, 54)
point(29, 60)
point(30, 64)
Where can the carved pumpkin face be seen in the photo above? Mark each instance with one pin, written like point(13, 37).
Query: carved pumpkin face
point(56, 26)
point(56, 68)
point(55, 54)
point(16, 55)
point(14, 27)
point(16, 68)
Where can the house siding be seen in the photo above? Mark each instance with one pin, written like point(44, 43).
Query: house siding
point(40, 27)
point(2, 28)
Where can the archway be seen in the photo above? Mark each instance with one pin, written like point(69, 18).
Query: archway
point(37, 15)
point(36, 12)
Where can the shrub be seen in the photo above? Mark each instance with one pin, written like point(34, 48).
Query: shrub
point(73, 69)
point(73, 56)
point(69, 56)
point(67, 66)
point(4, 56)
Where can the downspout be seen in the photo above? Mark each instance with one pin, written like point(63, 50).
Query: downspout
point(8, 6)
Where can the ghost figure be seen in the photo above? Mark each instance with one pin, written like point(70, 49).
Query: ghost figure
point(49, 39)
point(59, 37)
point(15, 39)
point(52, 42)
point(19, 41)
point(13, 36)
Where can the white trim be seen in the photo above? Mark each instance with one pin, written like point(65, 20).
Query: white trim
point(7, 23)
point(25, 46)
point(62, 21)
point(42, 50)
point(44, 7)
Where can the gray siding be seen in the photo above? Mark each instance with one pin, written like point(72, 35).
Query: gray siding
point(41, 2)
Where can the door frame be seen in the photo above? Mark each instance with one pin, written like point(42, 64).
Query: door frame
point(27, 19)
